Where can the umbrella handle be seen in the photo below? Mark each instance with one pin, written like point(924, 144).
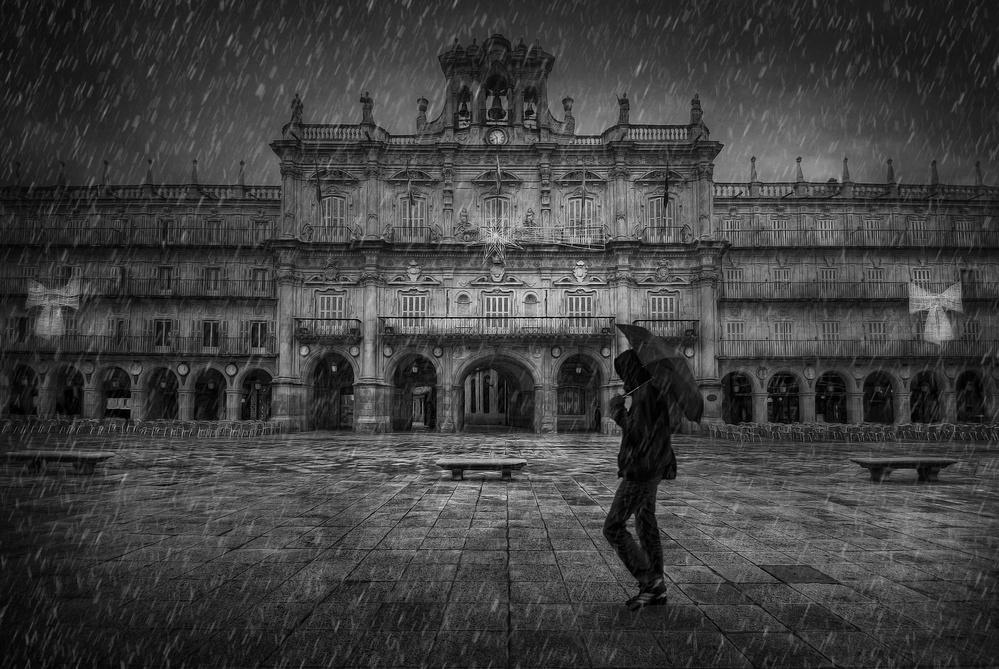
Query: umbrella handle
point(635, 388)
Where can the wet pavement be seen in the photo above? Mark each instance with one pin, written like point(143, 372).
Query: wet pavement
point(337, 549)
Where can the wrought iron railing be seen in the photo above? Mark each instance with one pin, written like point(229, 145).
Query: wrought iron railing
point(505, 327)
point(854, 348)
point(863, 237)
point(327, 330)
point(62, 232)
point(142, 344)
point(672, 329)
point(152, 287)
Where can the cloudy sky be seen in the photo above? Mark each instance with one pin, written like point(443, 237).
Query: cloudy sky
point(95, 80)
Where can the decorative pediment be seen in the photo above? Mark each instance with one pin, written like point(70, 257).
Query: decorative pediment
point(585, 281)
point(576, 176)
point(327, 174)
point(489, 177)
point(412, 176)
point(659, 176)
point(503, 280)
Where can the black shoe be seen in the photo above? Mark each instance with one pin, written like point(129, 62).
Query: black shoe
point(653, 594)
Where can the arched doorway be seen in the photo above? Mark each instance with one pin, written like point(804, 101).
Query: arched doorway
point(23, 392)
point(783, 401)
point(496, 395)
point(116, 391)
point(332, 394)
point(69, 392)
point(970, 398)
point(209, 396)
point(737, 399)
point(879, 399)
point(578, 396)
point(256, 399)
point(924, 399)
point(414, 394)
point(161, 403)
point(830, 398)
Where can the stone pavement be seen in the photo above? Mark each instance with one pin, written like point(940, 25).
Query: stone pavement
point(337, 549)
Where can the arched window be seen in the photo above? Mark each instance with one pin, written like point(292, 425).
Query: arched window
point(333, 220)
point(497, 213)
point(581, 216)
point(660, 213)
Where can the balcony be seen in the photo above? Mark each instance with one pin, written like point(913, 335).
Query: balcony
point(59, 232)
point(855, 348)
point(661, 235)
point(844, 290)
point(574, 235)
point(683, 331)
point(142, 345)
point(220, 288)
point(868, 237)
point(328, 330)
point(521, 328)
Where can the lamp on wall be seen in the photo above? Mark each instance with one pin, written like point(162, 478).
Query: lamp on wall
point(211, 385)
point(579, 369)
point(415, 369)
point(333, 367)
point(256, 385)
point(163, 383)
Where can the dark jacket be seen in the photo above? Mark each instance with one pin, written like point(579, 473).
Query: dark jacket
point(645, 443)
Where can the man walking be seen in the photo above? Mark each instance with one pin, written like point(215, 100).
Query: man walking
point(645, 458)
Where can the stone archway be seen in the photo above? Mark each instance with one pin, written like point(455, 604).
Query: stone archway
point(737, 398)
point(783, 399)
point(924, 399)
point(496, 394)
point(577, 401)
point(255, 402)
point(970, 398)
point(332, 405)
point(23, 392)
point(116, 393)
point(830, 398)
point(879, 399)
point(162, 402)
point(68, 392)
point(414, 394)
point(209, 396)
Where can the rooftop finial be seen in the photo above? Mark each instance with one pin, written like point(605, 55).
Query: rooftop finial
point(242, 181)
point(934, 177)
point(194, 171)
point(696, 113)
point(891, 173)
point(798, 175)
point(367, 104)
point(846, 171)
point(978, 173)
point(752, 170)
point(61, 181)
point(149, 173)
point(296, 110)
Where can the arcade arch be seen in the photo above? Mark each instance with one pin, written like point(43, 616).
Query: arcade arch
point(209, 395)
point(783, 399)
point(414, 393)
point(924, 398)
point(879, 399)
point(161, 402)
point(331, 405)
point(970, 398)
point(578, 401)
point(255, 403)
point(830, 398)
point(496, 393)
point(737, 398)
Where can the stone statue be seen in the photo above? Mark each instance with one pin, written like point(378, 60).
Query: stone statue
point(296, 110)
point(529, 219)
point(367, 104)
point(622, 118)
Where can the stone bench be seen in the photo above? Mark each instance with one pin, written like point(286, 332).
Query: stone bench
point(926, 468)
point(459, 465)
point(83, 461)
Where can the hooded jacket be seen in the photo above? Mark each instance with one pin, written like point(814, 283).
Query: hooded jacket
point(645, 451)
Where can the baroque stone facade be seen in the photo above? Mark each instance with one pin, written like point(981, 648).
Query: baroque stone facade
point(470, 275)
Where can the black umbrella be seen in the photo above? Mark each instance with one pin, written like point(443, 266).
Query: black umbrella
point(669, 369)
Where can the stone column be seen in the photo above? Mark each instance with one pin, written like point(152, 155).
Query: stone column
point(137, 403)
point(903, 408)
point(45, 403)
point(91, 403)
point(185, 404)
point(233, 403)
point(855, 407)
point(760, 406)
point(286, 387)
point(806, 406)
point(372, 406)
point(948, 406)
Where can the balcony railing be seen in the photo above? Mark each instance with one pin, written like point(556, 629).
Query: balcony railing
point(327, 234)
point(65, 233)
point(579, 235)
point(142, 344)
point(672, 330)
point(855, 348)
point(327, 330)
point(661, 235)
point(879, 238)
point(844, 290)
point(222, 288)
point(498, 327)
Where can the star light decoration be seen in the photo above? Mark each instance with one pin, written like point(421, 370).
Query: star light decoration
point(495, 243)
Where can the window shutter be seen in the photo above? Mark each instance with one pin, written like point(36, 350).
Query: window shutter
point(196, 333)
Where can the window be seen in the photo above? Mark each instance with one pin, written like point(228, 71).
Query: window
point(27, 271)
point(334, 212)
point(258, 280)
point(829, 330)
point(921, 276)
point(329, 306)
point(497, 213)
point(876, 330)
point(826, 228)
point(414, 311)
point(917, 231)
point(118, 331)
point(735, 330)
point(258, 334)
point(414, 214)
point(164, 278)
point(166, 229)
point(971, 330)
point(662, 307)
point(782, 279)
point(579, 309)
point(782, 330)
point(875, 274)
point(660, 216)
point(580, 215)
point(781, 235)
point(873, 232)
point(162, 333)
point(215, 231)
point(211, 334)
point(734, 274)
point(532, 306)
point(496, 309)
point(827, 277)
point(213, 279)
point(72, 323)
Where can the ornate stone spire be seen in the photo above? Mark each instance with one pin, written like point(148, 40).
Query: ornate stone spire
point(696, 113)
point(241, 181)
point(754, 179)
point(799, 176)
point(61, 180)
point(147, 183)
point(891, 174)
point(934, 177)
point(846, 171)
point(192, 186)
point(978, 173)
point(104, 178)
point(296, 110)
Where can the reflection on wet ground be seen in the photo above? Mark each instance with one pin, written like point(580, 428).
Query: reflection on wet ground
point(338, 549)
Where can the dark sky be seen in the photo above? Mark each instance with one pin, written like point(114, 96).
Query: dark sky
point(173, 81)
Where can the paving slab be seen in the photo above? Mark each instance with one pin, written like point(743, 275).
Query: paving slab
point(340, 549)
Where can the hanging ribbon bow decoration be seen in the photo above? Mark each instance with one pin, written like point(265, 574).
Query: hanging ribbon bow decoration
point(938, 327)
point(52, 302)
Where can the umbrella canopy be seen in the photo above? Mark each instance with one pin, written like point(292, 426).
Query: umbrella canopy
point(669, 369)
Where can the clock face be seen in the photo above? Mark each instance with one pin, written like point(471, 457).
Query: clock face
point(496, 137)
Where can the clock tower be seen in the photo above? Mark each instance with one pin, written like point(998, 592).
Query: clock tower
point(497, 95)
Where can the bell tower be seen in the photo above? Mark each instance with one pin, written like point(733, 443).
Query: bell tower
point(495, 86)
